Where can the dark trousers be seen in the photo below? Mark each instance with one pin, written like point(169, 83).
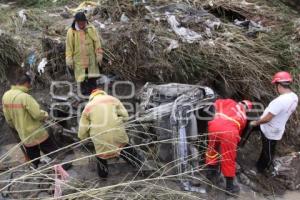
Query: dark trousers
point(87, 86)
point(46, 147)
point(267, 153)
point(129, 154)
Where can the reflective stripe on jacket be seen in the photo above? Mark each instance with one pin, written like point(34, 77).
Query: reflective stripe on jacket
point(23, 113)
point(229, 114)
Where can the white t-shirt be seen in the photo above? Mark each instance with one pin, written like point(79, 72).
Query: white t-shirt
point(282, 107)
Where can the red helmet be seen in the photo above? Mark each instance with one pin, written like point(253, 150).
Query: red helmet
point(282, 77)
point(248, 104)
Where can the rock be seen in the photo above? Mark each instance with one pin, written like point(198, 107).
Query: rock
point(287, 169)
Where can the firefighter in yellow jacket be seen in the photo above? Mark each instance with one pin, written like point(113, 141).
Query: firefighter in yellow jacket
point(84, 52)
point(23, 114)
point(103, 120)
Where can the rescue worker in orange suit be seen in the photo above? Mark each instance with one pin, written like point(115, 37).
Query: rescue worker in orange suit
point(224, 134)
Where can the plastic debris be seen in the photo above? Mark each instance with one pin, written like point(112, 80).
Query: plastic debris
point(187, 35)
point(173, 45)
point(45, 160)
point(208, 32)
point(4, 5)
point(22, 15)
point(213, 24)
point(124, 18)
point(101, 25)
point(187, 186)
point(253, 27)
point(42, 65)
point(31, 59)
point(106, 80)
point(86, 6)
point(139, 2)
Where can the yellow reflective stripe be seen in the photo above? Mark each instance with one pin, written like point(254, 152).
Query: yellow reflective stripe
point(230, 119)
point(214, 156)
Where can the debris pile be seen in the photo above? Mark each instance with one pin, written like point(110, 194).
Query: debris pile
point(287, 170)
point(182, 42)
point(231, 46)
point(178, 41)
point(11, 57)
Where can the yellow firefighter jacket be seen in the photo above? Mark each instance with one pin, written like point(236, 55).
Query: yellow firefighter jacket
point(83, 51)
point(102, 120)
point(23, 113)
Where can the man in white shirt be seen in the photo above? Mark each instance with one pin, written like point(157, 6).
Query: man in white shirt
point(272, 122)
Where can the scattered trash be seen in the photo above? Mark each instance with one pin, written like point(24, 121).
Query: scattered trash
point(31, 59)
point(45, 160)
point(253, 27)
point(187, 35)
point(208, 32)
point(42, 65)
point(86, 6)
point(4, 6)
point(213, 25)
point(22, 15)
point(187, 186)
point(101, 25)
point(106, 80)
point(53, 15)
point(173, 45)
point(139, 2)
point(124, 18)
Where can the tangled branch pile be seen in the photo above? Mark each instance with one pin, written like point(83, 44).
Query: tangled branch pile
point(10, 56)
point(144, 45)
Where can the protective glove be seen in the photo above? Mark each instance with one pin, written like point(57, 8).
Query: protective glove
point(99, 58)
point(253, 123)
point(46, 115)
point(70, 63)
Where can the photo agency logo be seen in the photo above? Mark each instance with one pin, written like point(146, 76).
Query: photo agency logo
point(69, 102)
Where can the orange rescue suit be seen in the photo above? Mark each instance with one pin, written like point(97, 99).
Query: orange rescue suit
point(224, 135)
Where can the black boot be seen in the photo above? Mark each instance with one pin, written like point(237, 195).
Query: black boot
point(212, 174)
point(230, 187)
point(67, 166)
point(131, 156)
point(102, 167)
